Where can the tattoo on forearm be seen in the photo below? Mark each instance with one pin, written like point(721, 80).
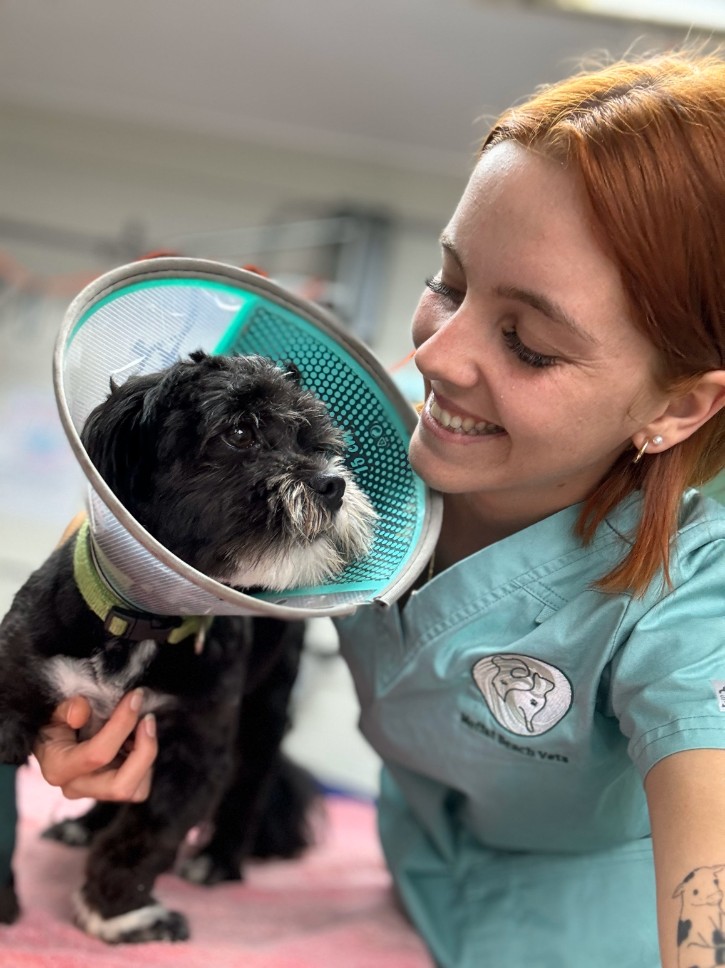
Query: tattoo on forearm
point(701, 927)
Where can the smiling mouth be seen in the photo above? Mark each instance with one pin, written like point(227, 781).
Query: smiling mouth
point(467, 426)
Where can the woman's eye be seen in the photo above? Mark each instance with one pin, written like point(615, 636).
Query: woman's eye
point(241, 437)
point(435, 285)
point(528, 356)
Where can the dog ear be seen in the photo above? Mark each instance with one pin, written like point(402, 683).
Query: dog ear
point(291, 370)
point(114, 436)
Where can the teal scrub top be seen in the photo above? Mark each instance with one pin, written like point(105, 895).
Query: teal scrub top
point(517, 710)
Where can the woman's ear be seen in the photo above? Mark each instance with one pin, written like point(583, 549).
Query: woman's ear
point(685, 413)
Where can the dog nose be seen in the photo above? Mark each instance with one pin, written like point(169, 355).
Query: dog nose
point(330, 487)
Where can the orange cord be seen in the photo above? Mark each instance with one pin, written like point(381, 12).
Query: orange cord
point(401, 363)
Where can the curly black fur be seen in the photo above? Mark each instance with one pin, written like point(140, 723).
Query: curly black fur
point(205, 456)
point(223, 435)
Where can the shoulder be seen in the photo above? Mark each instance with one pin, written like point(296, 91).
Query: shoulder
point(666, 672)
point(699, 511)
point(698, 542)
point(700, 539)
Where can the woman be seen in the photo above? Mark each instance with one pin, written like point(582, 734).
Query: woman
point(547, 703)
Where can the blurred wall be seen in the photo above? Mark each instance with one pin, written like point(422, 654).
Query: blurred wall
point(192, 192)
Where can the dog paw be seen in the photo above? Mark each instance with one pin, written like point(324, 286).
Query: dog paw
point(283, 842)
point(9, 907)
point(205, 869)
point(70, 832)
point(153, 922)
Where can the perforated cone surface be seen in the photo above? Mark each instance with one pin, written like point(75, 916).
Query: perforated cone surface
point(142, 318)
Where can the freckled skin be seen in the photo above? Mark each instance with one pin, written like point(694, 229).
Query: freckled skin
point(524, 222)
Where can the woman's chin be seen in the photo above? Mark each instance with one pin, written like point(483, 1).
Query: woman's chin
point(437, 473)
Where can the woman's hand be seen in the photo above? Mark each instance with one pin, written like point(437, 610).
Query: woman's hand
point(82, 768)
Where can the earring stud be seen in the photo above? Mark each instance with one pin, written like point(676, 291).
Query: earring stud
point(657, 440)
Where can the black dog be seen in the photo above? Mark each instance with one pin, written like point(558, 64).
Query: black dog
point(237, 470)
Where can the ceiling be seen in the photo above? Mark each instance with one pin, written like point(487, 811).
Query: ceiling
point(395, 81)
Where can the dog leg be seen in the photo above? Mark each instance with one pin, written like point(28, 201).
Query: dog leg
point(80, 831)
point(29, 634)
point(116, 903)
point(264, 810)
point(285, 823)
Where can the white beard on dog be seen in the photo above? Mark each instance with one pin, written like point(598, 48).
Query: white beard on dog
point(321, 543)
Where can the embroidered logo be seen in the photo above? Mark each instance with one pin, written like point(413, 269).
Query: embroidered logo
point(719, 686)
point(525, 695)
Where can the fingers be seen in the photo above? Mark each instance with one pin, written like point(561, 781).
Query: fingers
point(131, 781)
point(139, 764)
point(73, 712)
point(102, 748)
point(82, 769)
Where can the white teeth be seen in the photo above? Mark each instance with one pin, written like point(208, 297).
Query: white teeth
point(461, 425)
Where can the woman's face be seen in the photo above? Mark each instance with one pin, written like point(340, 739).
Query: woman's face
point(536, 378)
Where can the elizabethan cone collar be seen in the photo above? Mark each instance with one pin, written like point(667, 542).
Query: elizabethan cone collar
point(143, 317)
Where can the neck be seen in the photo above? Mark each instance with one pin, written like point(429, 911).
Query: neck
point(471, 523)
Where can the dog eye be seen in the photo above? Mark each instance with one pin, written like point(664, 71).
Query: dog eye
point(241, 437)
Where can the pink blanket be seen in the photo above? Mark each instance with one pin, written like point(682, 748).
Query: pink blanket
point(332, 908)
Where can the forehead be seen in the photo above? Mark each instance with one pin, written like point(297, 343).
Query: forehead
point(524, 222)
point(533, 198)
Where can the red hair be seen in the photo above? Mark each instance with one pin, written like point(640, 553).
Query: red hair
point(648, 140)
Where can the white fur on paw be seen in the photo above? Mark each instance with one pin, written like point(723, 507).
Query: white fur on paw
point(145, 923)
point(69, 832)
point(196, 869)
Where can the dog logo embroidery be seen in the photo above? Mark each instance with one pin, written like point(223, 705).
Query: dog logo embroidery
point(526, 696)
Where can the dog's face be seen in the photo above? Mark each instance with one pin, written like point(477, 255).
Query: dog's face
point(234, 468)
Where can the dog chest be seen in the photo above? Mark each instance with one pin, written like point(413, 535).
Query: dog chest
point(102, 682)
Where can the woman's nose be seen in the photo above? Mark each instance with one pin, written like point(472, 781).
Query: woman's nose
point(448, 352)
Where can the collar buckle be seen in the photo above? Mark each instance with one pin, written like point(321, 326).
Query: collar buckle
point(137, 626)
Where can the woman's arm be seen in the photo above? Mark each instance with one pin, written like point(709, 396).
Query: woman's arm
point(686, 798)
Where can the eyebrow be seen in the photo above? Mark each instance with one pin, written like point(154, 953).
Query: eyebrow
point(536, 300)
point(545, 306)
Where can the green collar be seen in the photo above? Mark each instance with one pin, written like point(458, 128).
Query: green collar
point(118, 618)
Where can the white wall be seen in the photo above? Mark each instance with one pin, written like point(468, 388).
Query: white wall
point(98, 177)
